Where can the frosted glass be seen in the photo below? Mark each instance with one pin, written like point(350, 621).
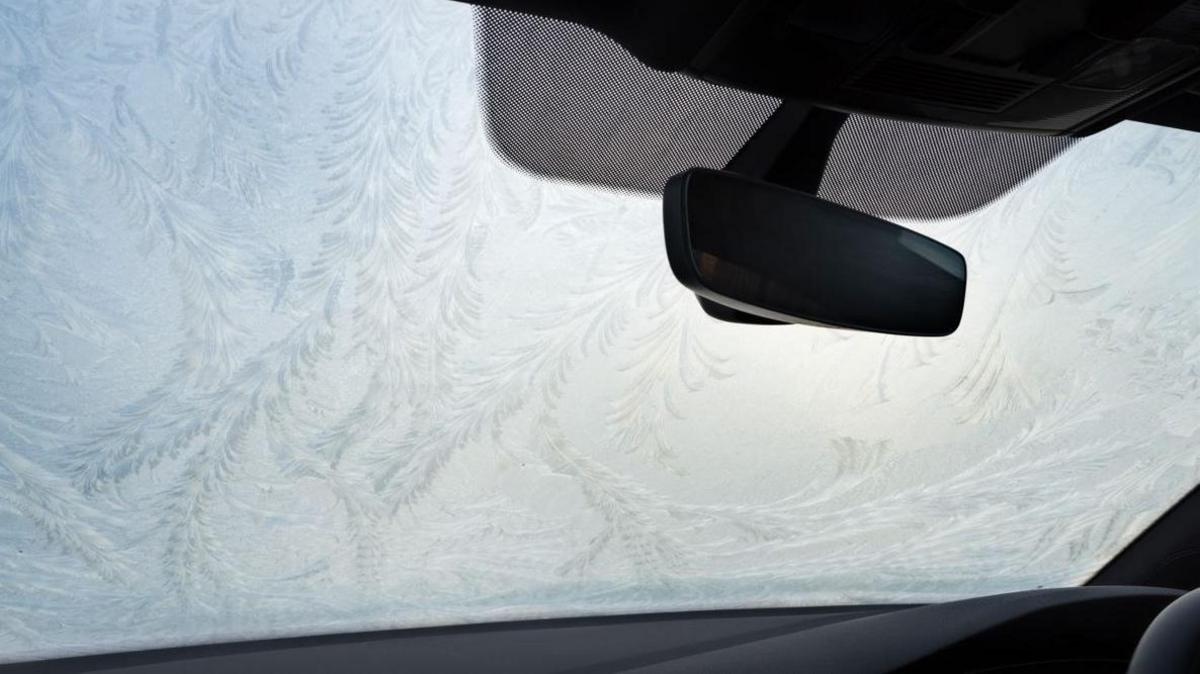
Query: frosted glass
point(287, 349)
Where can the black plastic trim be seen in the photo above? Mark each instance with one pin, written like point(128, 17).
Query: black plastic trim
point(1166, 554)
point(579, 645)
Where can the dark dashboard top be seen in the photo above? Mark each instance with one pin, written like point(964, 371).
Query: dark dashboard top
point(1089, 628)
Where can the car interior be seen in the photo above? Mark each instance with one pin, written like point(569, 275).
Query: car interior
point(851, 114)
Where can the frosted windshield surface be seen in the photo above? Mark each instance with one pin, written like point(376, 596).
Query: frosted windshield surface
point(288, 349)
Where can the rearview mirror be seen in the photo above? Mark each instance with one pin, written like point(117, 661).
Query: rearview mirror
point(788, 256)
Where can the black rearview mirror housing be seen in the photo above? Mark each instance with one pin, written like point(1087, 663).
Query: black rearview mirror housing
point(791, 257)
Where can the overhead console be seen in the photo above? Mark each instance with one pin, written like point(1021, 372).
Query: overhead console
point(1061, 67)
point(1051, 67)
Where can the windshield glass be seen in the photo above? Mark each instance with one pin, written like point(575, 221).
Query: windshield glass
point(289, 349)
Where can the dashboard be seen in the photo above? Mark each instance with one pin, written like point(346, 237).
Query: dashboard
point(1092, 629)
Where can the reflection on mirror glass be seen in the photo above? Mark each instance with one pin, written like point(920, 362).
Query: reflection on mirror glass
point(788, 256)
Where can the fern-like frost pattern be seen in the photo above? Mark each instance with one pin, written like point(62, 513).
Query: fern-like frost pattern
point(288, 349)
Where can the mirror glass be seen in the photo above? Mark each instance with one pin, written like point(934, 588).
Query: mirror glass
point(788, 256)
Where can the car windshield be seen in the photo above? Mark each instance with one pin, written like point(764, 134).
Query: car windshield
point(289, 349)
